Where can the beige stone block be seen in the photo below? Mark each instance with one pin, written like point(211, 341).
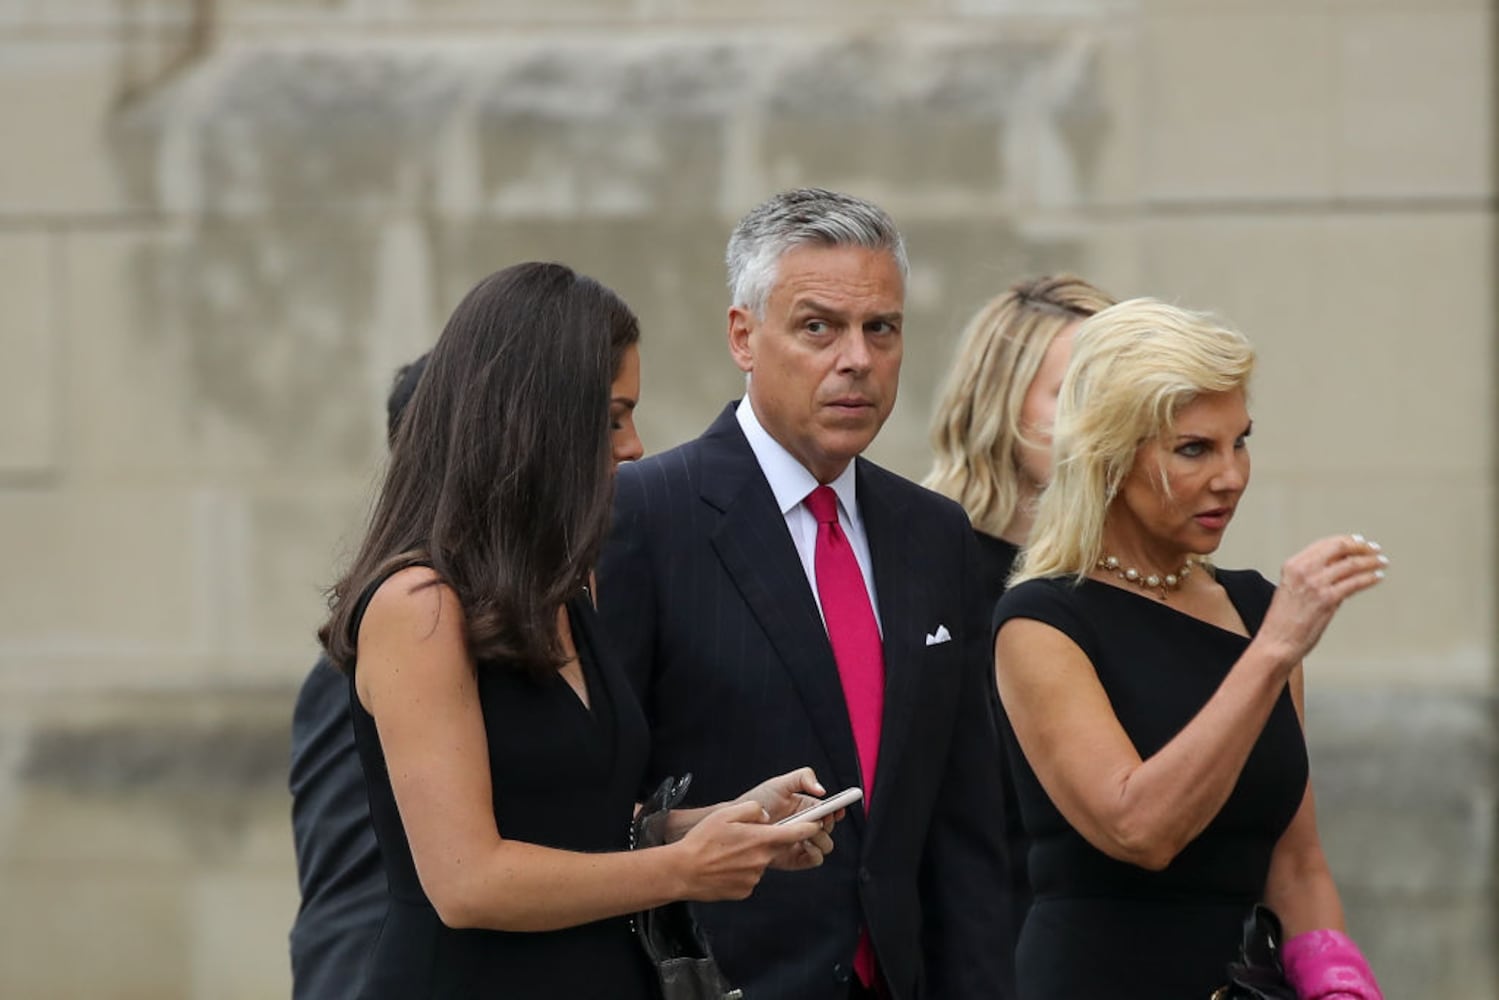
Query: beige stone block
point(239, 924)
point(265, 844)
point(1237, 105)
point(884, 154)
point(417, 14)
point(70, 931)
point(88, 14)
point(1409, 313)
point(238, 348)
point(1437, 947)
point(1332, 307)
point(58, 156)
point(259, 18)
point(1011, 8)
point(1416, 109)
point(104, 574)
point(515, 10)
point(1430, 623)
point(779, 10)
point(1111, 138)
point(132, 410)
point(150, 819)
point(670, 271)
point(1383, 6)
point(614, 166)
point(1112, 257)
point(1354, 6)
point(297, 544)
point(28, 345)
point(53, 827)
point(956, 123)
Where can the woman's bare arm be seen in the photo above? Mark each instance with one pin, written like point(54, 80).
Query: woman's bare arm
point(1299, 887)
point(416, 678)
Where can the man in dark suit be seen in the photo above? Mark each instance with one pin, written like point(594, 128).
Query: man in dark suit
point(780, 601)
point(338, 861)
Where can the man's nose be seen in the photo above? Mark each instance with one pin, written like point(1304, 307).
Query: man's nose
point(856, 355)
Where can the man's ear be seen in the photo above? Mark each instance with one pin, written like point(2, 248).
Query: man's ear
point(741, 325)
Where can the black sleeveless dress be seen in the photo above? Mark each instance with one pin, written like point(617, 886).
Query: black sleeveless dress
point(1100, 927)
point(563, 776)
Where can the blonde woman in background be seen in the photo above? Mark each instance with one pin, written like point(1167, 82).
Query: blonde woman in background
point(991, 433)
point(992, 437)
point(1155, 702)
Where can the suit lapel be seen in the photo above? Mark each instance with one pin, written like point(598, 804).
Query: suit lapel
point(756, 550)
point(894, 583)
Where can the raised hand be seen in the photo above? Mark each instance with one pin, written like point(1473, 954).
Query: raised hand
point(1314, 583)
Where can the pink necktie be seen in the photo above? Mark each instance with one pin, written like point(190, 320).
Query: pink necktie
point(855, 638)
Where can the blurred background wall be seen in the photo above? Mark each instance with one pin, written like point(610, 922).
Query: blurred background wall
point(223, 223)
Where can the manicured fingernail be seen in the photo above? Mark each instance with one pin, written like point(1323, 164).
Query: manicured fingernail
point(1375, 546)
point(1384, 560)
point(1358, 538)
point(1379, 574)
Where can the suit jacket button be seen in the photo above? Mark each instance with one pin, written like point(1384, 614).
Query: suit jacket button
point(840, 972)
point(864, 877)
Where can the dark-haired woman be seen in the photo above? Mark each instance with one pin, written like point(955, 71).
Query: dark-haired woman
point(502, 751)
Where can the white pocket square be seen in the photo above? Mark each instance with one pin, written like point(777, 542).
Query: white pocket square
point(939, 636)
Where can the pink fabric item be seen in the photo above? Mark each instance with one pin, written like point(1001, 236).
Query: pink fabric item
point(855, 637)
point(1327, 965)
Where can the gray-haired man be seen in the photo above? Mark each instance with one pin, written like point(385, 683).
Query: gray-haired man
point(780, 601)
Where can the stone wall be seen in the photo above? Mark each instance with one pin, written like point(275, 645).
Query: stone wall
point(223, 223)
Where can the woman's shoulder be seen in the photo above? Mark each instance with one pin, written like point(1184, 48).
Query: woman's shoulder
point(1050, 599)
point(1059, 602)
point(413, 604)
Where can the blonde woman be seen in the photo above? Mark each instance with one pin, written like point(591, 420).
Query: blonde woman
point(991, 436)
point(991, 433)
point(1156, 702)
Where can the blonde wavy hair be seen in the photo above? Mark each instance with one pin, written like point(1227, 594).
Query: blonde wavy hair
point(1134, 366)
point(976, 434)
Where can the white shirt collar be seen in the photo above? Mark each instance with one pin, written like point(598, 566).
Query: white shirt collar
point(790, 481)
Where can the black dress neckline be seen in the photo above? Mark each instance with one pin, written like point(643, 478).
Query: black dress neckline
point(593, 683)
point(1238, 607)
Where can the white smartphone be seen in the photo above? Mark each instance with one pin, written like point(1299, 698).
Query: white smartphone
point(825, 807)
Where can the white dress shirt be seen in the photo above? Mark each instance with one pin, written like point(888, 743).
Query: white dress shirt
point(791, 482)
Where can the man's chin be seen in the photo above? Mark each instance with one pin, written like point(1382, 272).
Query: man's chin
point(844, 447)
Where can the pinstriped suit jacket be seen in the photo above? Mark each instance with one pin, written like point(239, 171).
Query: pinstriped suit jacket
point(704, 599)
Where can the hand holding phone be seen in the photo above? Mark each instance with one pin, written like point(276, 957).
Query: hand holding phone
point(826, 807)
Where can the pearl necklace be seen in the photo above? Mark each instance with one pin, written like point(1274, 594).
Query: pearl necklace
point(1162, 584)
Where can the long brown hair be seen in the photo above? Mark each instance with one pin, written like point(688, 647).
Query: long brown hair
point(500, 471)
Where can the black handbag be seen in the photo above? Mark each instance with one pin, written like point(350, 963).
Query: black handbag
point(1258, 974)
point(671, 938)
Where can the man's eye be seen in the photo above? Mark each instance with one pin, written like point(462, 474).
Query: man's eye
point(816, 326)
